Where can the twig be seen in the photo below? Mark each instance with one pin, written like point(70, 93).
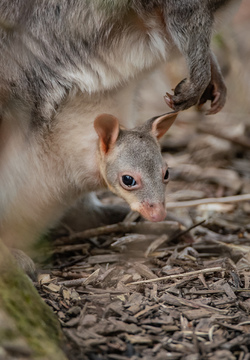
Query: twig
point(74, 282)
point(220, 200)
point(78, 282)
point(197, 272)
point(145, 227)
point(184, 232)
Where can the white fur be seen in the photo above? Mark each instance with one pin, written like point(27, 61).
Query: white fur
point(135, 52)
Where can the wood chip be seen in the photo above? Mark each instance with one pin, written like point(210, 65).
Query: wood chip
point(52, 287)
point(197, 314)
point(144, 271)
point(100, 259)
point(155, 244)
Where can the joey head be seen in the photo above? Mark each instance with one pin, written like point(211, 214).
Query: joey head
point(131, 163)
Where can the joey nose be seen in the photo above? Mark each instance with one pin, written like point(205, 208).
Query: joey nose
point(153, 211)
point(158, 213)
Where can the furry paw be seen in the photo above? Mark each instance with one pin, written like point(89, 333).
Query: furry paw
point(185, 96)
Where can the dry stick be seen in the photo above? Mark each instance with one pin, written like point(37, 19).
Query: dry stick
point(184, 232)
point(220, 200)
point(74, 282)
point(197, 272)
point(77, 282)
point(141, 227)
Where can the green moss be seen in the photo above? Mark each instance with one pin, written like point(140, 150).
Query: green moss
point(42, 250)
point(218, 40)
point(32, 317)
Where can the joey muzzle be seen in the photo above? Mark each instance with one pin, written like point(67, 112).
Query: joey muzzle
point(151, 211)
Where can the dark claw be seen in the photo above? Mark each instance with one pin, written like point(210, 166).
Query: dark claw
point(216, 105)
point(216, 97)
point(169, 100)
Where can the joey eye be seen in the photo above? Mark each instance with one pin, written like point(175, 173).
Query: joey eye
point(128, 180)
point(166, 176)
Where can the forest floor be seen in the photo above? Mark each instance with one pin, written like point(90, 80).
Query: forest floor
point(179, 289)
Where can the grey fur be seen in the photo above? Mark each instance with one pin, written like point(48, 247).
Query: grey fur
point(42, 40)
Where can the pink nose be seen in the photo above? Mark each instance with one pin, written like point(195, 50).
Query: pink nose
point(153, 212)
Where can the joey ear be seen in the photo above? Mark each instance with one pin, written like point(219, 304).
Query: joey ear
point(107, 128)
point(161, 124)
